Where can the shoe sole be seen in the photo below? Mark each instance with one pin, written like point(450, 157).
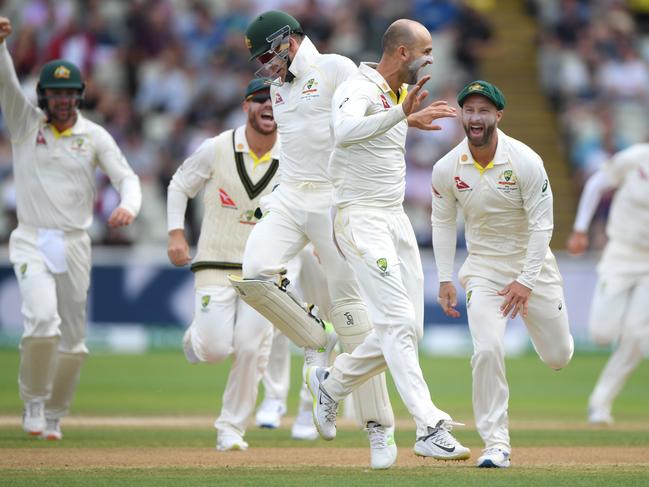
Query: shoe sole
point(464, 456)
point(315, 403)
point(490, 464)
point(34, 433)
point(51, 437)
point(268, 426)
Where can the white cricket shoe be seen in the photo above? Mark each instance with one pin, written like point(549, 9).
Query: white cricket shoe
point(440, 444)
point(34, 417)
point(52, 430)
point(270, 412)
point(320, 357)
point(230, 441)
point(303, 427)
point(190, 355)
point(600, 416)
point(383, 449)
point(325, 408)
point(494, 458)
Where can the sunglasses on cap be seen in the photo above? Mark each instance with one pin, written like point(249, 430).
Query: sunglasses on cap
point(259, 98)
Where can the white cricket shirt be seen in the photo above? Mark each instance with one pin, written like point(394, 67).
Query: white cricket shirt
point(54, 172)
point(302, 110)
point(507, 208)
point(368, 166)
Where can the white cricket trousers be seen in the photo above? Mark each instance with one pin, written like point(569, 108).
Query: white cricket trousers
point(293, 217)
point(620, 314)
point(54, 316)
point(224, 325)
point(546, 322)
point(381, 247)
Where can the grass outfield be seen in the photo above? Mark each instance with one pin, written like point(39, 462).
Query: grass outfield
point(169, 438)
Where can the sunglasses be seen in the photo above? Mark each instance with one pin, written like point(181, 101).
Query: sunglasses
point(266, 57)
point(259, 98)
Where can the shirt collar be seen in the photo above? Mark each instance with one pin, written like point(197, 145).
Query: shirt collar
point(369, 71)
point(306, 54)
point(241, 143)
point(79, 127)
point(501, 156)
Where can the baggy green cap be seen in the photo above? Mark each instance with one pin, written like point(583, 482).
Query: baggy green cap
point(265, 25)
point(255, 85)
point(60, 74)
point(484, 88)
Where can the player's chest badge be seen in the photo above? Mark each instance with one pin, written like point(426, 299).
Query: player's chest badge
point(40, 138)
point(226, 201)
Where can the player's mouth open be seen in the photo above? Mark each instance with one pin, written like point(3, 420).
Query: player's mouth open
point(476, 130)
point(267, 116)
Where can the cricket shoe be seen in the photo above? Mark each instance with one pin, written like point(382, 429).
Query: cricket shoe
point(383, 449)
point(325, 408)
point(303, 427)
point(34, 417)
point(494, 458)
point(190, 355)
point(270, 412)
point(230, 441)
point(600, 416)
point(52, 430)
point(319, 357)
point(440, 444)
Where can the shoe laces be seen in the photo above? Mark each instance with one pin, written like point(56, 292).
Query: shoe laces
point(377, 435)
point(441, 434)
point(53, 424)
point(330, 407)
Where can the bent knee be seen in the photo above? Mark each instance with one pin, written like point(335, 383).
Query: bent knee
point(212, 353)
point(560, 356)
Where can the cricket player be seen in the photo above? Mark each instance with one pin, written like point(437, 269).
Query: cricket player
point(619, 312)
point(234, 170)
point(502, 188)
point(371, 114)
point(298, 211)
point(56, 152)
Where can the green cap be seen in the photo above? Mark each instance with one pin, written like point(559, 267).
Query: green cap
point(60, 74)
point(484, 88)
point(266, 25)
point(255, 85)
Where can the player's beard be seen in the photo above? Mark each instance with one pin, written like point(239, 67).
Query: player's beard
point(415, 66)
point(254, 123)
point(482, 140)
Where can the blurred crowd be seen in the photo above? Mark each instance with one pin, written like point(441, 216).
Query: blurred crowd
point(594, 67)
point(162, 75)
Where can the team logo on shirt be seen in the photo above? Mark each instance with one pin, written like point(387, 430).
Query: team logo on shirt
point(278, 99)
point(507, 180)
point(382, 263)
point(384, 100)
point(23, 270)
point(461, 185)
point(468, 298)
point(40, 139)
point(205, 301)
point(248, 217)
point(310, 89)
point(226, 201)
point(79, 145)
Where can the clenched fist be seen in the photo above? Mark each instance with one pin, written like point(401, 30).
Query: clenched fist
point(5, 28)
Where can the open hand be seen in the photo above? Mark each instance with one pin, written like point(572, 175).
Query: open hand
point(447, 299)
point(423, 119)
point(415, 96)
point(516, 298)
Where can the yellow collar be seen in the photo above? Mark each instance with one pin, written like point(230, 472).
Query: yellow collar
point(65, 133)
point(403, 92)
point(483, 169)
point(256, 161)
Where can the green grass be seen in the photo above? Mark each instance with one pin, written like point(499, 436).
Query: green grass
point(161, 383)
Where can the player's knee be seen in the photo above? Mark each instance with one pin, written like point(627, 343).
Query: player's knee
point(42, 321)
point(213, 352)
point(560, 355)
point(603, 333)
point(487, 351)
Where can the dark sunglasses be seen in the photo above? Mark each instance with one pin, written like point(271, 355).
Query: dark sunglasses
point(266, 57)
point(259, 98)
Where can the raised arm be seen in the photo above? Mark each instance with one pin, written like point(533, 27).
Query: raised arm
point(18, 112)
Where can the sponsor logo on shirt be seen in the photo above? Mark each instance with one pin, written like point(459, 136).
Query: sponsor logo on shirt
point(226, 201)
point(278, 99)
point(384, 100)
point(40, 139)
point(461, 185)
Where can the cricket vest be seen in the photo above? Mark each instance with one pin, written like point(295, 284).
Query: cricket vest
point(231, 209)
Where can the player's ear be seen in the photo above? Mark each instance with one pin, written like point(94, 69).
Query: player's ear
point(245, 106)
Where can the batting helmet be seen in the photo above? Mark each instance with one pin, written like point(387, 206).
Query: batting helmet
point(261, 31)
point(58, 74)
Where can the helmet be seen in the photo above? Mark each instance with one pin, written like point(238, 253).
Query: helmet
point(266, 27)
point(58, 74)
